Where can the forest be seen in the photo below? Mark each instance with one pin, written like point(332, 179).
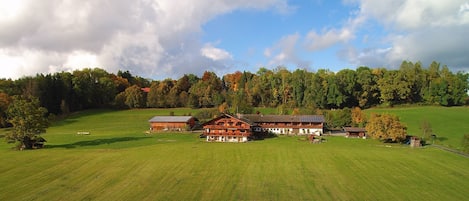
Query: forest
point(65, 92)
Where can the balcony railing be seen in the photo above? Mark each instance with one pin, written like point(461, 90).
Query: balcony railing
point(223, 133)
point(221, 127)
point(291, 126)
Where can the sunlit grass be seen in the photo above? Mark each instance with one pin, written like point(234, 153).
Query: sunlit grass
point(449, 124)
point(118, 161)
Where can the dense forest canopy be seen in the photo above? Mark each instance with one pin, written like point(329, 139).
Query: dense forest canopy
point(364, 87)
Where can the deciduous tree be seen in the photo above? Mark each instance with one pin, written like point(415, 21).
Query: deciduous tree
point(358, 117)
point(386, 127)
point(465, 143)
point(28, 119)
point(134, 97)
point(426, 130)
point(4, 103)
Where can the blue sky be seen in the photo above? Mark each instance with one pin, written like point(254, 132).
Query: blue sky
point(158, 39)
point(247, 33)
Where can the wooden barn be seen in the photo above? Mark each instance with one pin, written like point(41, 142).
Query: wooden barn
point(355, 132)
point(172, 123)
point(289, 124)
point(227, 128)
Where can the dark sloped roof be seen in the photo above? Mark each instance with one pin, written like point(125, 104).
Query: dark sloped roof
point(248, 121)
point(182, 119)
point(284, 118)
point(354, 129)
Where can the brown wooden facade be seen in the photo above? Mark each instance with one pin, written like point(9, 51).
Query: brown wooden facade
point(355, 132)
point(227, 128)
point(172, 123)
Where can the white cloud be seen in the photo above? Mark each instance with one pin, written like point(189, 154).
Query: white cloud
point(332, 36)
point(153, 38)
point(214, 53)
point(328, 38)
point(285, 52)
point(414, 14)
point(418, 30)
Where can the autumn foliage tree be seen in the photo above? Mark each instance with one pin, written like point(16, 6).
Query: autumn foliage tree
point(358, 117)
point(386, 127)
point(134, 97)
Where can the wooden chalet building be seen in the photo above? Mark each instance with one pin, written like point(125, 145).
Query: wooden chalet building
point(355, 132)
point(241, 128)
point(288, 124)
point(227, 128)
point(172, 123)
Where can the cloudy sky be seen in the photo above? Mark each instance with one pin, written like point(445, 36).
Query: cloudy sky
point(158, 39)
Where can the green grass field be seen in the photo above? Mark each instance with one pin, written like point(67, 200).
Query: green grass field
point(118, 161)
point(448, 123)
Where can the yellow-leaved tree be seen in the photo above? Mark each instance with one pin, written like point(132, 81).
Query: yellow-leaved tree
point(358, 117)
point(386, 127)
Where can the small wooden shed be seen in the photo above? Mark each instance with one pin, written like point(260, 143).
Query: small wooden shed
point(172, 123)
point(355, 132)
point(415, 142)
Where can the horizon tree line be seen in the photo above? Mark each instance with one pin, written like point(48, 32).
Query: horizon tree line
point(64, 92)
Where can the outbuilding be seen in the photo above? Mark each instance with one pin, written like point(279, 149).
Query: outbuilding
point(172, 123)
point(355, 132)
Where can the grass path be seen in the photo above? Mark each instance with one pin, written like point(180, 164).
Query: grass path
point(451, 150)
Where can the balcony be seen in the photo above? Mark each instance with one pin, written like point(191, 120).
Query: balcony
point(225, 133)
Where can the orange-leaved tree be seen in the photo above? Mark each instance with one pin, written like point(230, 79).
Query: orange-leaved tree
point(386, 127)
point(358, 117)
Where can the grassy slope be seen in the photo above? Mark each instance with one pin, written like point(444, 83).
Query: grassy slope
point(448, 123)
point(118, 162)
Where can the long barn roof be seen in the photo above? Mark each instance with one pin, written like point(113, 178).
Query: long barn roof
point(182, 119)
point(257, 118)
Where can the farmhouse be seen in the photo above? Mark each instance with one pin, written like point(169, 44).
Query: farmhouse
point(240, 128)
point(289, 124)
point(227, 128)
point(355, 132)
point(172, 123)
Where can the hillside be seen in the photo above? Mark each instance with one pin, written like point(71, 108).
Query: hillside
point(449, 124)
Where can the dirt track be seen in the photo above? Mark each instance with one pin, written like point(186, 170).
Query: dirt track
point(450, 150)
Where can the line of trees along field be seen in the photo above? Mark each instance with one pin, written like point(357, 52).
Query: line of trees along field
point(364, 87)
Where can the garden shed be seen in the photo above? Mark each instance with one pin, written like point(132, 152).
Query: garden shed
point(355, 132)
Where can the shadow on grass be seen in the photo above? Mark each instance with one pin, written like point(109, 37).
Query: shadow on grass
point(96, 142)
point(264, 136)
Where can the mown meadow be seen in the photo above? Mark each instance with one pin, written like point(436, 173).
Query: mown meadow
point(449, 124)
point(119, 161)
